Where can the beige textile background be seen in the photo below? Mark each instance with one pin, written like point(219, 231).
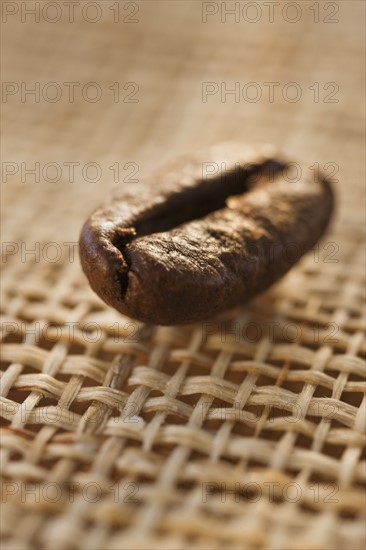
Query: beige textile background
point(247, 432)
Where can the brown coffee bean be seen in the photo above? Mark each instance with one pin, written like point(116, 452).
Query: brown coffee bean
point(203, 234)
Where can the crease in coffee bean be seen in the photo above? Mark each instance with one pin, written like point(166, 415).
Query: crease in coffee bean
point(193, 204)
point(236, 183)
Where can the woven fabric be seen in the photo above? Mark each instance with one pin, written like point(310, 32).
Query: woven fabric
point(247, 431)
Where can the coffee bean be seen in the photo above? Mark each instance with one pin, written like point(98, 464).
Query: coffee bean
point(204, 233)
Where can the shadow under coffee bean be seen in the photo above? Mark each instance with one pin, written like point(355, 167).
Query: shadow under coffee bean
point(204, 233)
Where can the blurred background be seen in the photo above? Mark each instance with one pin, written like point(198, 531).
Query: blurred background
point(138, 82)
point(94, 95)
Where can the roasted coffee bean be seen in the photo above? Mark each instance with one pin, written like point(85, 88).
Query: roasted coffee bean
point(203, 234)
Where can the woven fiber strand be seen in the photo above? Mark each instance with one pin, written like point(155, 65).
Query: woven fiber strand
point(247, 431)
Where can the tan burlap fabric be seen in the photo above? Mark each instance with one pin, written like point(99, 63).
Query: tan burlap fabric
point(244, 432)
